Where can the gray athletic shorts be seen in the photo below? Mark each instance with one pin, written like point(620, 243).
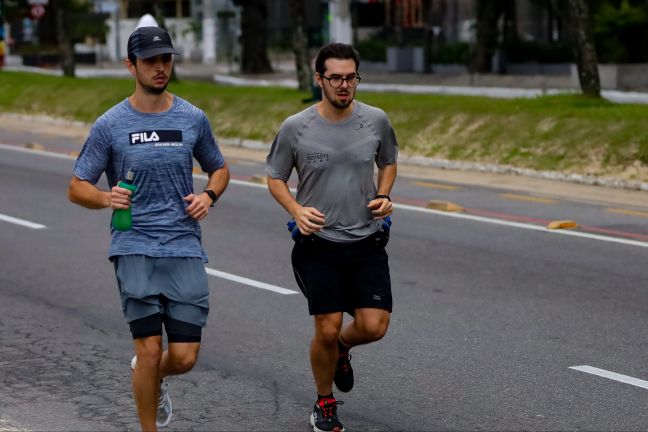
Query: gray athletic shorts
point(173, 287)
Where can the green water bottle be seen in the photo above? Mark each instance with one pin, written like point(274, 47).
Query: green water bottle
point(122, 220)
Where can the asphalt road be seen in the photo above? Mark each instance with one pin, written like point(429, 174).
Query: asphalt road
point(490, 315)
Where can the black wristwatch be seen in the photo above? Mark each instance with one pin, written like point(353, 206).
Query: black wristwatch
point(383, 196)
point(211, 195)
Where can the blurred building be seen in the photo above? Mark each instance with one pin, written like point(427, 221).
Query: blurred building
point(208, 31)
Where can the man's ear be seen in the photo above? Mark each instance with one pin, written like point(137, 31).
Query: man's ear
point(132, 68)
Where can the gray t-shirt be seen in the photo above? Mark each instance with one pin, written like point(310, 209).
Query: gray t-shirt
point(159, 148)
point(335, 165)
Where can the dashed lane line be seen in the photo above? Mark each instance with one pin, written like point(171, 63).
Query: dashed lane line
point(247, 281)
point(21, 222)
point(5, 427)
point(527, 198)
point(436, 185)
point(612, 375)
point(628, 212)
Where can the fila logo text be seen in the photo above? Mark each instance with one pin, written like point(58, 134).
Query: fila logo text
point(142, 137)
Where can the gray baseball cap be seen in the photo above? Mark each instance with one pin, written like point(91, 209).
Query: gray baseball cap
point(147, 42)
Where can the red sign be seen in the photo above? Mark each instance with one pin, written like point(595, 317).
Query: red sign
point(37, 11)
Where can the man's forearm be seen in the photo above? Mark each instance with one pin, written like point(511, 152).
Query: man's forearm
point(87, 195)
point(280, 191)
point(386, 179)
point(218, 180)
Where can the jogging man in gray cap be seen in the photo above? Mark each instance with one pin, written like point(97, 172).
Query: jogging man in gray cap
point(339, 213)
point(150, 139)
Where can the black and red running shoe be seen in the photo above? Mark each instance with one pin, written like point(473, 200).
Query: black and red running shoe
point(324, 417)
point(343, 377)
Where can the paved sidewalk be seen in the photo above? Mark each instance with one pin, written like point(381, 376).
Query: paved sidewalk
point(489, 85)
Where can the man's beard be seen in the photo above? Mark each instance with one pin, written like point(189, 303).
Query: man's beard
point(151, 89)
point(339, 104)
point(154, 90)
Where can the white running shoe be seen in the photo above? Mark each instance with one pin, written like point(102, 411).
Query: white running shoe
point(164, 409)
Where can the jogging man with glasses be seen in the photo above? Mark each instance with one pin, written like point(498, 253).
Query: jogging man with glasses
point(339, 257)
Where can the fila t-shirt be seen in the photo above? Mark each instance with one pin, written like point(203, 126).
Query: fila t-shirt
point(159, 148)
point(335, 165)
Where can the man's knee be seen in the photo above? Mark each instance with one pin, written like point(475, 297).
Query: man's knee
point(376, 331)
point(149, 352)
point(183, 357)
point(184, 362)
point(327, 329)
point(373, 326)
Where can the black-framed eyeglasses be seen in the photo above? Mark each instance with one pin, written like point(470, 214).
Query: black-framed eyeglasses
point(336, 81)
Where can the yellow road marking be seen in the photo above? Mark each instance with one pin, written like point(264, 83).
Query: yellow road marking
point(528, 198)
point(34, 146)
point(261, 179)
point(445, 206)
point(628, 212)
point(436, 185)
point(562, 224)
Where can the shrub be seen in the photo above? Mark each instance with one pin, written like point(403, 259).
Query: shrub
point(457, 53)
point(372, 50)
point(621, 34)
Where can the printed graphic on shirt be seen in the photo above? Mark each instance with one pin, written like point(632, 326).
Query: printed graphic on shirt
point(159, 138)
point(317, 157)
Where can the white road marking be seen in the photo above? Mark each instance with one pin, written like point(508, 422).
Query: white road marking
point(411, 208)
point(524, 226)
point(251, 282)
point(38, 152)
point(5, 427)
point(22, 222)
point(612, 375)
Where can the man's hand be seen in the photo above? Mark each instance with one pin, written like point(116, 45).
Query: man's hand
point(198, 205)
point(381, 208)
point(120, 198)
point(309, 220)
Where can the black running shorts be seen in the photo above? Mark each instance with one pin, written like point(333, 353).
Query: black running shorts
point(342, 277)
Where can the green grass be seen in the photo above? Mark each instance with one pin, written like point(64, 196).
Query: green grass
point(569, 132)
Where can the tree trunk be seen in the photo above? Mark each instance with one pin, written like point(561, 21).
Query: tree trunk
point(254, 47)
point(575, 15)
point(300, 46)
point(488, 14)
point(66, 50)
point(584, 50)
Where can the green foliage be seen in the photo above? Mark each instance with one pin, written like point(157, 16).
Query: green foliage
point(15, 9)
point(538, 51)
point(456, 53)
point(373, 49)
point(621, 33)
point(567, 132)
point(87, 24)
point(43, 48)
